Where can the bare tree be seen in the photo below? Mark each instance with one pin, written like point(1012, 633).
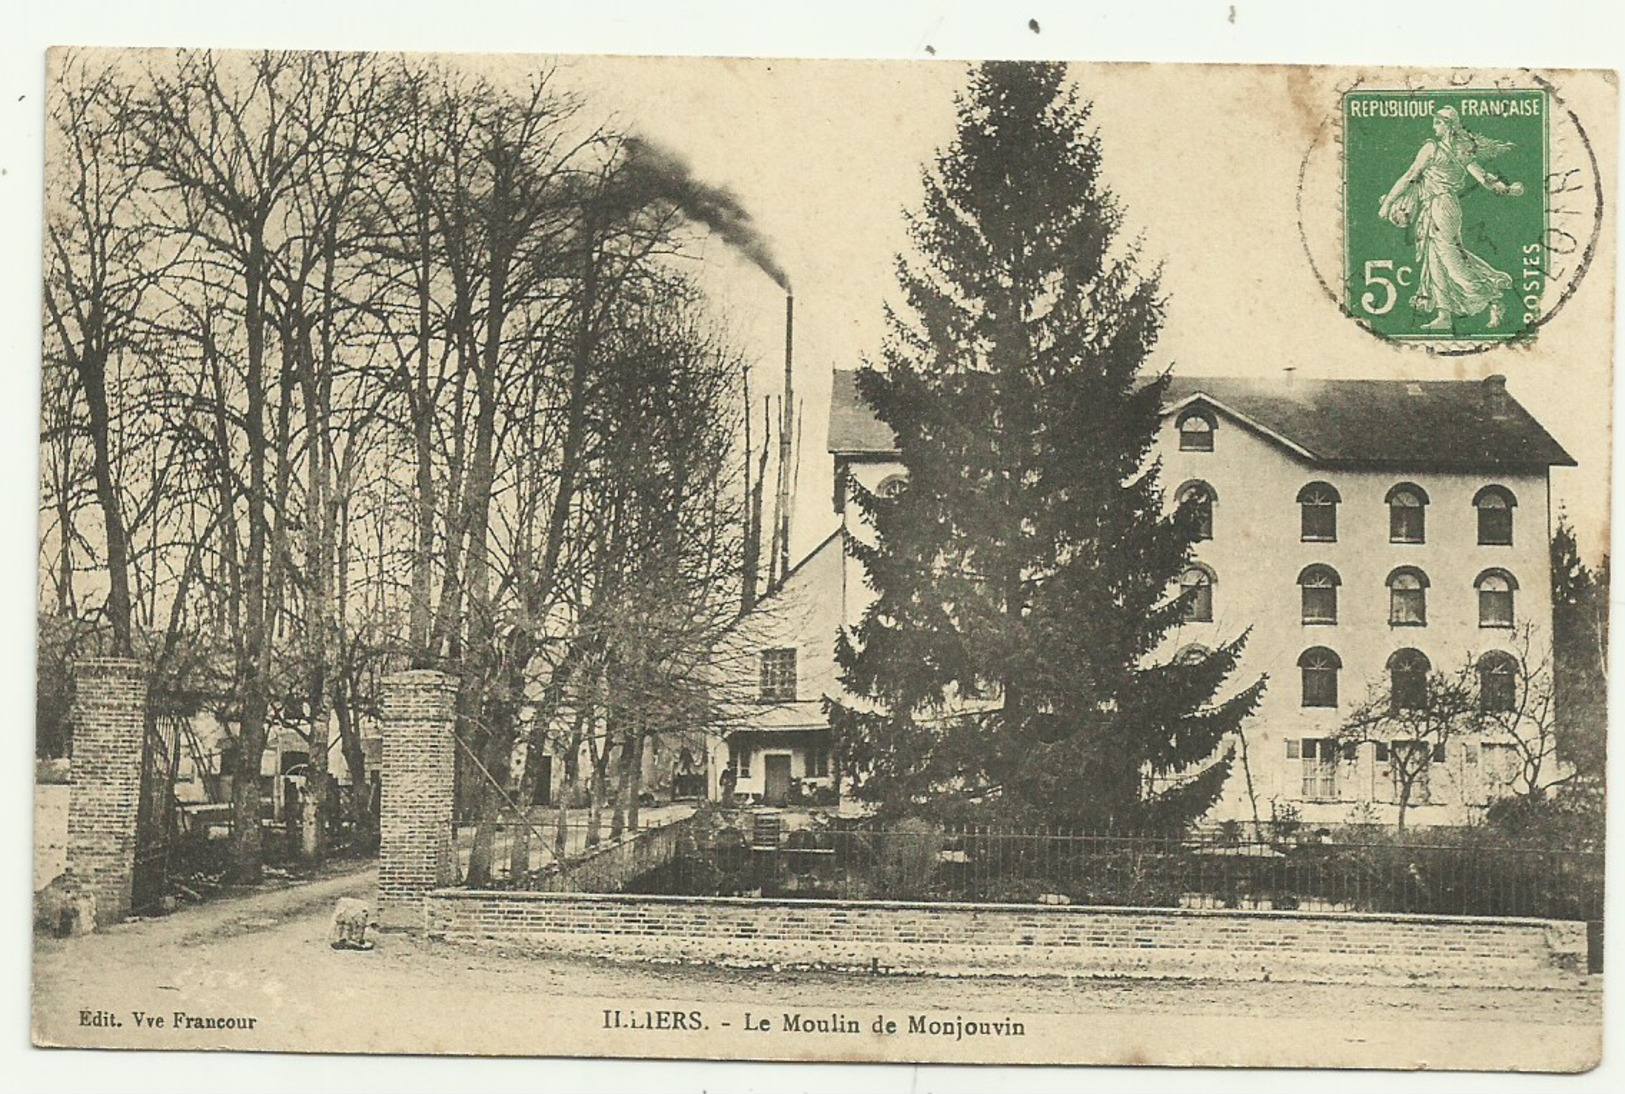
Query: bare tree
point(363, 363)
point(1412, 716)
point(234, 143)
point(1516, 710)
point(100, 261)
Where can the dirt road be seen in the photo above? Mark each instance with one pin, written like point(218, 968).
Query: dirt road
point(256, 973)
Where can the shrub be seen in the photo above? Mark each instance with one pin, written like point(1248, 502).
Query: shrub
point(1566, 816)
point(906, 859)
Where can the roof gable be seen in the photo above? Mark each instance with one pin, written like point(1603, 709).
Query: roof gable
point(800, 580)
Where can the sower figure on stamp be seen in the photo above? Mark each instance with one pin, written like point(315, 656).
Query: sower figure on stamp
point(1451, 280)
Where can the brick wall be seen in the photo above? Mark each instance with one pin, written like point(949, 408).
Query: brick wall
point(969, 939)
point(109, 728)
point(415, 851)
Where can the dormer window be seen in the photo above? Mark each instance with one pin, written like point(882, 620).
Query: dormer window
point(1196, 431)
point(779, 676)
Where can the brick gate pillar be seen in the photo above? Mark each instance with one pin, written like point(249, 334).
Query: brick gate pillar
point(109, 729)
point(415, 852)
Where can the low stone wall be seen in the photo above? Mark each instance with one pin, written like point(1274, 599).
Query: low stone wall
point(608, 869)
point(1022, 940)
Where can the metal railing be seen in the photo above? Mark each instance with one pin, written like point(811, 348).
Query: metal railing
point(768, 854)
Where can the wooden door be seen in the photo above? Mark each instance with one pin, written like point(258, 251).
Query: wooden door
point(776, 779)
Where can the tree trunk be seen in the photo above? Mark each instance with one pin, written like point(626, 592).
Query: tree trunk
point(524, 786)
point(635, 789)
point(246, 849)
point(93, 378)
point(567, 792)
point(355, 760)
point(343, 697)
point(483, 853)
point(63, 487)
point(623, 783)
point(519, 847)
point(599, 791)
point(423, 445)
point(320, 524)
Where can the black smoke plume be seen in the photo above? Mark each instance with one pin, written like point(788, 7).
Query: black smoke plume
point(662, 174)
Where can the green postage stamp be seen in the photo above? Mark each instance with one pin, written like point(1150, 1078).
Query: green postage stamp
point(1445, 212)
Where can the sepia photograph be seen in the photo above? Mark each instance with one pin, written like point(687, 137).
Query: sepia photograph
point(950, 560)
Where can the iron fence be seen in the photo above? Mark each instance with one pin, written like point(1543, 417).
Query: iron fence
point(773, 854)
point(198, 854)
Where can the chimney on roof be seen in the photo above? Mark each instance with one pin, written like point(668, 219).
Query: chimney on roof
point(1496, 397)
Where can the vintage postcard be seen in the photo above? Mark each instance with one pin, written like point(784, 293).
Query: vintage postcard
point(999, 562)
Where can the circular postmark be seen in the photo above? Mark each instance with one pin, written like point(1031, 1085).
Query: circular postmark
point(1456, 212)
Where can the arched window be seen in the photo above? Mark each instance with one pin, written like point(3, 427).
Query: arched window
point(1196, 431)
point(1196, 584)
point(1494, 505)
point(1199, 496)
point(1319, 587)
point(1408, 679)
point(1319, 666)
point(1495, 589)
point(1318, 502)
point(1192, 654)
point(890, 486)
point(1497, 682)
point(1407, 514)
point(1407, 598)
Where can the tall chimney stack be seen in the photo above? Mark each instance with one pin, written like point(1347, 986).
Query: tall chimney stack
point(782, 503)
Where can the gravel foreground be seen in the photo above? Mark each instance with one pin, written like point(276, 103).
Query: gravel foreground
point(255, 974)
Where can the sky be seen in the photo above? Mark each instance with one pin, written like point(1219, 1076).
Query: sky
point(826, 156)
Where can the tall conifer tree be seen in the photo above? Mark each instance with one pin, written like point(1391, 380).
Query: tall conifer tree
point(1026, 570)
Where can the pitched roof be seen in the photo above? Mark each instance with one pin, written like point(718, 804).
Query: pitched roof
point(1439, 424)
point(853, 428)
point(1436, 424)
